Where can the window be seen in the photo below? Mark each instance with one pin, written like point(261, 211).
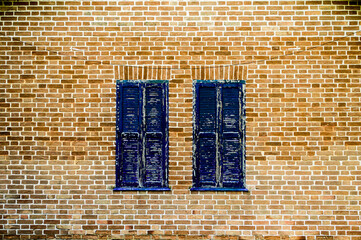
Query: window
point(142, 135)
point(219, 136)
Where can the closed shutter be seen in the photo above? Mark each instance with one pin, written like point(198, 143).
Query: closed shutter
point(218, 136)
point(129, 149)
point(142, 135)
point(205, 134)
point(230, 135)
point(155, 134)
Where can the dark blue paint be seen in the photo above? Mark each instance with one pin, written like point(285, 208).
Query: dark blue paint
point(206, 143)
point(130, 151)
point(243, 132)
point(218, 136)
point(219, 189)
point(130, 110)
point(207, 102)
point(142, 135)
point(207, 154)
point(141, 189)
point(229, 135)
point(129, 133)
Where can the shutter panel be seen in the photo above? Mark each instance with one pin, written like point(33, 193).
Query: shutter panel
point(230, 135)
point(155, 134)
point(129, 134)
point(205, 134)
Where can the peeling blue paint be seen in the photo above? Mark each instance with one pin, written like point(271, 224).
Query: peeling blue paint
point(219, 136)
point(142, 135)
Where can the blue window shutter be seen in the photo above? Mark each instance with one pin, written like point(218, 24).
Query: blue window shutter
point(142, 135)
point(155, 130)
point(128, 145)
point(219, 136)
point(230, 136)
point(243, 134)
point(205, 135)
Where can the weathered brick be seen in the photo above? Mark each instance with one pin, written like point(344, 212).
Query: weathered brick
point(59, 62)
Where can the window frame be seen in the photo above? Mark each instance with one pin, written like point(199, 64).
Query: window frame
point(218, 84)
point(142, 84)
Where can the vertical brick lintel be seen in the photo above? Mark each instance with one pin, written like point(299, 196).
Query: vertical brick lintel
point(142, 73)
point(164, 73)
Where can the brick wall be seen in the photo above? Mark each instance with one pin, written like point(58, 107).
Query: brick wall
point(59, 63)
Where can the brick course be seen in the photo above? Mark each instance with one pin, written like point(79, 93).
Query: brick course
point(58, 65)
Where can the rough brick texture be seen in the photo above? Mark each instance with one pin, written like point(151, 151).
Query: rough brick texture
point(59, 61)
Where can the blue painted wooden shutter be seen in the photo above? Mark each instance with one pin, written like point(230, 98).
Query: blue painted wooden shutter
point(142, 135)
point(205, 135)
point(129, 106)
point(155, 135)
point(230, 135)
point(218, 135)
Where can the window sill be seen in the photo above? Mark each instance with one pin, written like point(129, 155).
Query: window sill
point(219, 189)
point(140, 189)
